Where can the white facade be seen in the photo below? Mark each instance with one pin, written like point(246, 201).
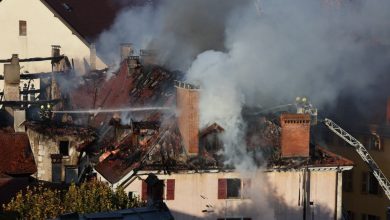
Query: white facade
point(271, 195)
point(44, 29)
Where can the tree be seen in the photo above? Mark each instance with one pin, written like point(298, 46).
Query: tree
point(41, 202)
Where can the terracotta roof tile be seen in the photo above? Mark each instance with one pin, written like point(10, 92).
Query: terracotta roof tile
point(16, 156)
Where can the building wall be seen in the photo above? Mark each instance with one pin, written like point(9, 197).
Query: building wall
point(272, 195)
point(43, 146)
point(43, 31)
point(355, 200)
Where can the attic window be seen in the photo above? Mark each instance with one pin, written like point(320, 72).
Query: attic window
point(67, 7)
point(22, 28)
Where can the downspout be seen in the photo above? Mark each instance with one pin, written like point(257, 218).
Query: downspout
point(338, 196)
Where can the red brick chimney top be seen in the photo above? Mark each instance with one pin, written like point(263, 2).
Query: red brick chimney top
point(295, 135)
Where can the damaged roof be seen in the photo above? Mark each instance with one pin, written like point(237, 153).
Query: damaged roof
point(151, 148)
point(16, 157)
point(151, 86)
point(165, 152)
point(89, 18)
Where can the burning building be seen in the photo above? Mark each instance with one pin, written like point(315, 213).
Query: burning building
point(297, 177)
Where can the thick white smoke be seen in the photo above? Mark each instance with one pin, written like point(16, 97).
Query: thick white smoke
point(259, 53)
point(241, 54)
point(290, 49)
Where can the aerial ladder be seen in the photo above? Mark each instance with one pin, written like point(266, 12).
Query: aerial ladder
point(363, 153)
point(303, 106)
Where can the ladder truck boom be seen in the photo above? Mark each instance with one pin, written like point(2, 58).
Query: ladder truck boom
point(363, 153)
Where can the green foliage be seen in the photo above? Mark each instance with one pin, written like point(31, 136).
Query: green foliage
point(42, 203)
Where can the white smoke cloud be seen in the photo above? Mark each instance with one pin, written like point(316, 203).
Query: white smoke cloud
point(290, 49)
point(259, 53)
point(241, 54)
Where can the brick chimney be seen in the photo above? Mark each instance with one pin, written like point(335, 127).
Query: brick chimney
point(12, 80)
point(187, 103)
point(295, 135)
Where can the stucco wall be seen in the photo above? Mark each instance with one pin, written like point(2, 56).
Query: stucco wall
point(43, 30)
point(273, 195)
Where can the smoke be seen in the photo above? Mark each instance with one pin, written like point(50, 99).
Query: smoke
point(289, 50)
point(178, 29)
point(265, 54)
point(260, 53)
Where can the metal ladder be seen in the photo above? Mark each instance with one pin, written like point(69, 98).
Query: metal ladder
point(361, 150)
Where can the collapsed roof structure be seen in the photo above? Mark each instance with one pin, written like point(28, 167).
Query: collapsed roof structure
point(168, 138)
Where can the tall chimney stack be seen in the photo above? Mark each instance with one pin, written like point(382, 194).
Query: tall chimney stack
point(295, 135)
point(187, 103)
point(12, 92)
point(92, 56)
point(126, 51)
point(12, 79)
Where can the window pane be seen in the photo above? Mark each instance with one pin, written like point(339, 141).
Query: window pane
point(233, 188)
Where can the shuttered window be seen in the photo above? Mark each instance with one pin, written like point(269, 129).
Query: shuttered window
point(22, 28)
point(222, 188)
point(170, 189)
point(144, 195)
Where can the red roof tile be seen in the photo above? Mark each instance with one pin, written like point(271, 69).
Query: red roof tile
point(16, 156)
point(149, 87)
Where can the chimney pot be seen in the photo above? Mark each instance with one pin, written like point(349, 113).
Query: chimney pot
point(55, 50)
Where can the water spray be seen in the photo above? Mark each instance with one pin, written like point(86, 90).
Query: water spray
point(96, 111)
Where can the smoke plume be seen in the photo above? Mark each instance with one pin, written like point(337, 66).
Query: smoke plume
point(260, 53)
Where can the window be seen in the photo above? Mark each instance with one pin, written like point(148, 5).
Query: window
point(64, 148)
point(71, 174)
point(374, 142)
point(169, 189)
point(348, 181)
point(56, 168)
point(370, 217)
point(370, 184)
point(233, 188)
point(133, 194)
point(22, 28)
